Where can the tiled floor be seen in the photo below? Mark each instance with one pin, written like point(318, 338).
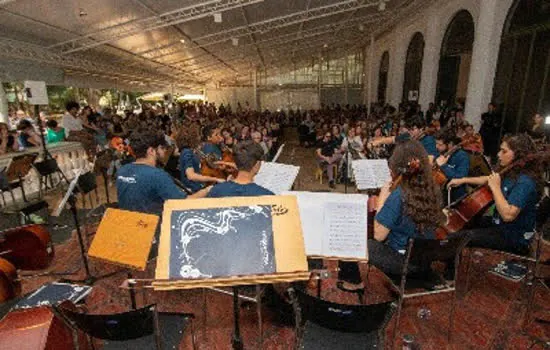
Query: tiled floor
point(489, 316)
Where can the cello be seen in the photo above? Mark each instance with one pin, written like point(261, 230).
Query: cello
point(10, 287)
point(27, 247)
point(460, 213)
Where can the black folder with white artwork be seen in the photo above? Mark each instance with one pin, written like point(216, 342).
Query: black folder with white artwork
point(204, 241)
point(334, 224)
point(54, 293)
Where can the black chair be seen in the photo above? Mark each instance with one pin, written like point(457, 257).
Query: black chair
point(46, 169)
point(136, 329)
point(421, 253)
point(335, 318)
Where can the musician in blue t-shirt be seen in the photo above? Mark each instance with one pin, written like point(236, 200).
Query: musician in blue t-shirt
point(248, 156)
point(190, 163)
point(515, 195)
point(411, 209)
point(141, 185)
point(415, 128)
point(456, 164)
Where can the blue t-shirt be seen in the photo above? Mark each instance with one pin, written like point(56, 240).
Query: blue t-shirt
point(188, 159)
point(457, 167)
point(233, 189)
point(521, 193)
point(208, 148)
point(145, 188)
point(400, 225)
point(428, 142)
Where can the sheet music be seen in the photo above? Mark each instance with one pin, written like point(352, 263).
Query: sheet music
point(276, 177)
point(346, 225)
point(370, 173)
point(334, 224)
point(278, 154)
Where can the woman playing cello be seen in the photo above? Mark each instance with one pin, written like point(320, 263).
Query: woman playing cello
point(515, 196)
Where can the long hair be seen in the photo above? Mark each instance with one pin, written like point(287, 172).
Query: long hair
point(422, 200)
point(187, 137)
point(522, 146)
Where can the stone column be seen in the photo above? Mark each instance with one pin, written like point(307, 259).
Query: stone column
point(397, 68)
point(492, 14)
point(3, 105)
point(430, 61)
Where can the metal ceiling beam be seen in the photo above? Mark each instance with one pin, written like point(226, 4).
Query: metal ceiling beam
point(18, 50)
point(278, 40)
point(284, 21)
point(252, 37)
point(166, 19)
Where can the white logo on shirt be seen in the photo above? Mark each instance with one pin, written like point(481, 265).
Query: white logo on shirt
point(129, 180)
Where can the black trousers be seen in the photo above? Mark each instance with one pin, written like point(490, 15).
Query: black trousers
point(380, 255)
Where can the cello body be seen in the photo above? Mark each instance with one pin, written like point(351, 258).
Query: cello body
point(10, 287)
point(27, 247)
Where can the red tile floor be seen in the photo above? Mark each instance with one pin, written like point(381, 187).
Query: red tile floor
point(489, 316)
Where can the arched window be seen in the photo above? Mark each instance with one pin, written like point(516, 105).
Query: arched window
point(383, 77)
point(522, 82)
point(455, 59)
point(413, 67)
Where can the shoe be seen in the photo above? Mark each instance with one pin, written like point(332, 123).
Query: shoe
point(340, 285)
point(331, 184)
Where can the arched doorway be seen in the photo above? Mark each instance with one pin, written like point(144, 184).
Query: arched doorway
point(413, 68)
point(455, 59)
point(522, 82)
point(383, 77)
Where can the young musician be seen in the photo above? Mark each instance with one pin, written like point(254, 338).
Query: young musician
point(411, 209)
point(190, 164)
point(248, 156)
point(141, 186)
point(415, 128)
point(328, 153)
point(516, 196)
point(455, 165)
point(212, 142)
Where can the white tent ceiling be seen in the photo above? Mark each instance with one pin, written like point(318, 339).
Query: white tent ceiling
point(177, 42)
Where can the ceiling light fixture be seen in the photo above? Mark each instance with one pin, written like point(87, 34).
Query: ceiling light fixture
point(382, 5)
point(361, 27)
point(182, 41)
point(218, 17)
point(325, 46)
point(82, 13)
point(235, 41)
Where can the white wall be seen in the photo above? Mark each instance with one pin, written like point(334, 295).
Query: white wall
point(231, 95)
point(489, 17)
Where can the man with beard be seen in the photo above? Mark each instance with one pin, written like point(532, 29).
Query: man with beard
point(141, 185)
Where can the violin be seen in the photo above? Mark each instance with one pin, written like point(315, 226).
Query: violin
point(27, 247)
point(438, 175)
point(209, 166)
point(460, 213)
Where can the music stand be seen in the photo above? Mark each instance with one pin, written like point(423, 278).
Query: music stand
point(70, 198)
point(17, 169)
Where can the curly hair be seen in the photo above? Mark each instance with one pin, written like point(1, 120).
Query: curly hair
point(187, 137)
point(522, 146)
point(422, 200)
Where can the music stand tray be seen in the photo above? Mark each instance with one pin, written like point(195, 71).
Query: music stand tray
point(124, 238)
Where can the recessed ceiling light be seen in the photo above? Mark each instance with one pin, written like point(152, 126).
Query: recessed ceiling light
point(235, 41)
point(382, 5)
point(218, 17)
point(182, 41)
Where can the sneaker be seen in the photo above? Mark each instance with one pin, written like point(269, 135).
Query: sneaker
point(36, 219)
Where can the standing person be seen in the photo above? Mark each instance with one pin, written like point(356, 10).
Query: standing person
point(490, 131)
point(74, 128)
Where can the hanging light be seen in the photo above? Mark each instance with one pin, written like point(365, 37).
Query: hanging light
point(218, 17)
point(235, 41)
point(182, 41)
point(382, 5)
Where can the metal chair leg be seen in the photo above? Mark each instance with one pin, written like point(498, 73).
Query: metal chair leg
point(259, 313)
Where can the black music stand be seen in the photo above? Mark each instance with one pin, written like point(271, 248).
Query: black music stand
point(18, 168)
point(70, 199)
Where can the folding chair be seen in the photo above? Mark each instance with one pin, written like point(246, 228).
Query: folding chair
point(135, 329)
point(422, 252)
point(334, 320)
